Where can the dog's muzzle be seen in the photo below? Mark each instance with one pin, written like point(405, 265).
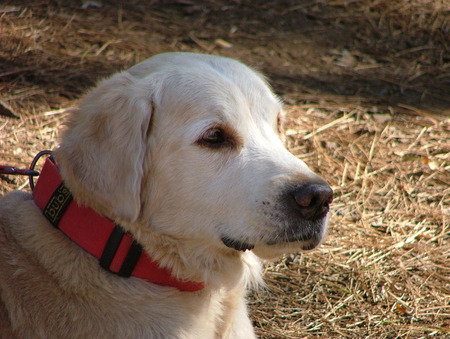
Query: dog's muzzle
point(305, 209)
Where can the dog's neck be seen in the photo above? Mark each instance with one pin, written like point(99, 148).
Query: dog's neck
point(115, 249)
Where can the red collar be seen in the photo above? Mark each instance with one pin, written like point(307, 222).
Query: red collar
point(116, 250)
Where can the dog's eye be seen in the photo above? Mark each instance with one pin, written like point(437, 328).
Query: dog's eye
point(214, 138)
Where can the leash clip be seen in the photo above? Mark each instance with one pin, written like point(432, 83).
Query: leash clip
point(33, 165)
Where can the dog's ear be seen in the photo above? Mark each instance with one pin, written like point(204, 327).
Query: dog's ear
point(102, 152)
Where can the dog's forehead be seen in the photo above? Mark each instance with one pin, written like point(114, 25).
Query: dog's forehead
point(201, 87)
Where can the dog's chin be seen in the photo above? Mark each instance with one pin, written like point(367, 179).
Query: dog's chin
point(275, 250)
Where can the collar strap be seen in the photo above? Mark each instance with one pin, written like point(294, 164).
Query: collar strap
point(115, 249)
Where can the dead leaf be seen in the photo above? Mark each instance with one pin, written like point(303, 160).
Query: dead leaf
point(400, 309)
point(6, 111)
point(381, 118)
point(346, 59)
point(224, 44)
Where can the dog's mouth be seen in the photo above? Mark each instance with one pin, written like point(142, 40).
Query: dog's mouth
point(237, 244)
point(306, 244)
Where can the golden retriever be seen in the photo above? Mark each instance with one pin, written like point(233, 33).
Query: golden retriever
point(183, 151)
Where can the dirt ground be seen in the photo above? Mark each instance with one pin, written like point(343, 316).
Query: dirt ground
point(366, 85)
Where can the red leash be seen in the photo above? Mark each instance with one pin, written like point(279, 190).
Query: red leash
point(10, 170)
point(17, 171)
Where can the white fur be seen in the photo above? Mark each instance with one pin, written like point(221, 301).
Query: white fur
point(132, 152)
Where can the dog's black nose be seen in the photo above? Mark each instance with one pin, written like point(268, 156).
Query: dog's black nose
point(313, 200)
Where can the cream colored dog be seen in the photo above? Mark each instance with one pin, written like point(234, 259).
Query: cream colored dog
point(183, 151)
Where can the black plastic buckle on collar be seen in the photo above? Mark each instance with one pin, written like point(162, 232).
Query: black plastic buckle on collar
point(34, 173)
point(111, 247)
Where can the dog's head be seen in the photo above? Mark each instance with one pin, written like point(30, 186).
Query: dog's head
point(188, 146)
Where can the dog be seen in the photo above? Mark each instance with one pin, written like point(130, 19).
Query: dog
point(170, 183)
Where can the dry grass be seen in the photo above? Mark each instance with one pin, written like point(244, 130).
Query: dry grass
point(369, 111)
point(383, 271)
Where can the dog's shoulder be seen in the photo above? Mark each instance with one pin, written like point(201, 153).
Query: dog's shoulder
point(11, 199)
point(13, 205)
